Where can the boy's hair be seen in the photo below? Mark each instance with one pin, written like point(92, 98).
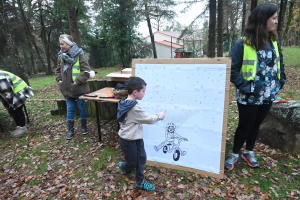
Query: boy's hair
point(135, 83)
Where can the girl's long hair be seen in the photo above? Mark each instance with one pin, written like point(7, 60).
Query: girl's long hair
point(256, 33)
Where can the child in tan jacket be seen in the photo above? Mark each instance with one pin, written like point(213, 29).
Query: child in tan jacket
point(131, 117)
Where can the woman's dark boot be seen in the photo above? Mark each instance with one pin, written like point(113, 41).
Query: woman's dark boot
point(83, 127)
point(70, 133)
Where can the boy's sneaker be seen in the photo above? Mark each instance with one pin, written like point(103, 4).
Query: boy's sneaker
point(120, 165)
point(145, 186)
point(250, 158)
point(19, 131)
point(231, 160)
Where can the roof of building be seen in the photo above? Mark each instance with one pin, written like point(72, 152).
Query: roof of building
point(168, 33)
point(168, 44)
point(176, 35)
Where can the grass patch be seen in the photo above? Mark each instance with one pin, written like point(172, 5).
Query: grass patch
point(22, 155)
point(103, 160)
point(40, 83)
point(41, 168)
point(265, 184)
point(34, 182)
point(102, 72)
point(291, 56)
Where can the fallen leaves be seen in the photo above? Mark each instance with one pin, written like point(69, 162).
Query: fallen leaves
point(43, 164)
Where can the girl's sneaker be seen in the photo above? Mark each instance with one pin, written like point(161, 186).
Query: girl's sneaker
point(231, 160)
point(250, 158)
point(144, 186)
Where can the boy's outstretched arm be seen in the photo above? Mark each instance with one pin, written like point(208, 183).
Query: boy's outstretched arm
point(138, 115)
point(162, 115)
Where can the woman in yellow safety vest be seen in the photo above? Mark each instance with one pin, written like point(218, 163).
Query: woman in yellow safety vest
point(72, 73)
point(13, 94)
point(257, 71)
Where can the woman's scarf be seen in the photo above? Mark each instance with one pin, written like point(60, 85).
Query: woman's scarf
point(70, 57)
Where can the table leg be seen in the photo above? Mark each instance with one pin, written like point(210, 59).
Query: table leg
point(117, 119)
point(98, 121)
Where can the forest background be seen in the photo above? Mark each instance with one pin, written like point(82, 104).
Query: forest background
point(107, 29)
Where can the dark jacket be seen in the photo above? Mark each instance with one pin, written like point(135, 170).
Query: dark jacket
point(67, 86)
point(236, 55)
point(123, 107)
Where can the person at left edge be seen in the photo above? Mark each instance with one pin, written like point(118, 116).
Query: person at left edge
point(72, 73)
point(13, 94)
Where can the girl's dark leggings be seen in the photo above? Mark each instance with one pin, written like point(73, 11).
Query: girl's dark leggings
point(250, 119)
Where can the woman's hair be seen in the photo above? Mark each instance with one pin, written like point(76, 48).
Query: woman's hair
point(256, 33)
point(66, 38)
point(135, 83)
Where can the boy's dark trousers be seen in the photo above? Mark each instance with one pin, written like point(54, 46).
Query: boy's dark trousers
point(135, 156)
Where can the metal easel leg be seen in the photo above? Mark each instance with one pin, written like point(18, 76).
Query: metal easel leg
point(25, 110)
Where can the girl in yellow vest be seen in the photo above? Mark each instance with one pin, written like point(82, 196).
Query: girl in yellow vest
point(72, 73)
point(13, 94)
point(257, 71)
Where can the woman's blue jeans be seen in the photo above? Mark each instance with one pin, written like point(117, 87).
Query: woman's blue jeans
point(71, 106)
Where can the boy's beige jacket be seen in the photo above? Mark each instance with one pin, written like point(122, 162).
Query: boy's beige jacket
point(131, 128)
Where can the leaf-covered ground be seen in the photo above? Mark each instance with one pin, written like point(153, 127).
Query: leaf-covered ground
point(43, 165)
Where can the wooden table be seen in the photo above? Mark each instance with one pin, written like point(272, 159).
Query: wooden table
point(120, 76)
point(103, 95)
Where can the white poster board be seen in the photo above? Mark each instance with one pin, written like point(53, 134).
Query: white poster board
point(195, 94)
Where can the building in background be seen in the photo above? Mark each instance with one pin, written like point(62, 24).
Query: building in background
point(169, 45)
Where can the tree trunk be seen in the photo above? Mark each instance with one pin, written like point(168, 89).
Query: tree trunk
point(150, 31)
point(124, 43)
point(291, 7)
point(4, 63)
point(253, 4)
point(28, 28)
point(72, 17)
point(244, 16)
point(212, 29)
point(33, 67)
point(220, 29)
point(26, 59)
point(283, 4)
point(44, 39)
point(18, 68)
point(49, 70)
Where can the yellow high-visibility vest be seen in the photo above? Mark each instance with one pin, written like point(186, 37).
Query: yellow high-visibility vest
point(18, 83)
point(75, 69)
point(248, 69)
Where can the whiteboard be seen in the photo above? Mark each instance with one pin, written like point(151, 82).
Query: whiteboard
point(195, 94)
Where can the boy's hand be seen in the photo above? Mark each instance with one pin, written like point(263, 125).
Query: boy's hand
point(162, 115)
